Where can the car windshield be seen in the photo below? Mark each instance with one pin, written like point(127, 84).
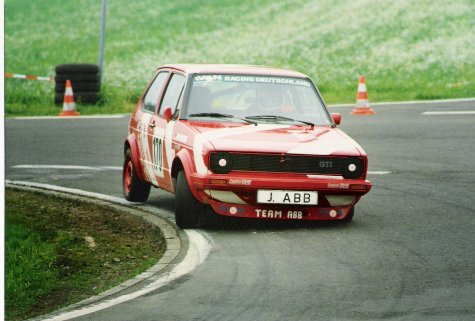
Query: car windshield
point(261, 99)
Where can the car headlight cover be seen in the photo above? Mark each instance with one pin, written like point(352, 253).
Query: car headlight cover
point(221, 162)
point(353, 167)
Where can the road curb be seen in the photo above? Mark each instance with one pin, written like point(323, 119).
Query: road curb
point(176, 241)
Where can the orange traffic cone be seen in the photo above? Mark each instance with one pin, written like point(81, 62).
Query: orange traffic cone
point(362, 102)
point(69, 106)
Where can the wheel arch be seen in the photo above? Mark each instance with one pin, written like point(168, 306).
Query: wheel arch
point(183, 161)
point(131, 143)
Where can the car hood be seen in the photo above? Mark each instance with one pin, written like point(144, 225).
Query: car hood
point(277, 138)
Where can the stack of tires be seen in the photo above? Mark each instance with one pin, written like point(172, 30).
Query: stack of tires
point(85, 81)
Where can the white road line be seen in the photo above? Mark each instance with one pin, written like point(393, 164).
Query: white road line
point(411, 102)
point(74, 191)
point(378, 172)
point(90, 168)
point(74, 167)
point(199, 248)
point(464, 112)
point(72, 117)
point(111, 168)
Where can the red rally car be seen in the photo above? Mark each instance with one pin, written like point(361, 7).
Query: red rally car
point(249, 141)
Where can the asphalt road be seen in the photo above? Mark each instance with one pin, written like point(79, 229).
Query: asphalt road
point(409, 254)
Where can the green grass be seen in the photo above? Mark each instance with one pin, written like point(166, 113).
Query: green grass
point(49, 261)
point(29, 275)
point(407, 50)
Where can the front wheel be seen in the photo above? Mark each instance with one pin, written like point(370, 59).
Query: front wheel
point(349, 216)
point(187, 208)
point(135, 190)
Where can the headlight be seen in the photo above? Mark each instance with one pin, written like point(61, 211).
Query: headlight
point(221, 163)
point(352, 167)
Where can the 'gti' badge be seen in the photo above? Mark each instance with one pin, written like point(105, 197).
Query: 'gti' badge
point(325, 164)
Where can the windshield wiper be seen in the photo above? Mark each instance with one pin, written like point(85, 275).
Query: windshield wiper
point(219, 115)
point(277, 118)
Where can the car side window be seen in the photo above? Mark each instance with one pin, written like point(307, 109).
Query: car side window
point(153, 93)
point(173, 93)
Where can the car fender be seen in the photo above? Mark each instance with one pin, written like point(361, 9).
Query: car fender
point(131, 142)
point(184, 161)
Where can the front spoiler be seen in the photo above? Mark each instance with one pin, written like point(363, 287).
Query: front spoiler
point(283, 212)
point(242, 185)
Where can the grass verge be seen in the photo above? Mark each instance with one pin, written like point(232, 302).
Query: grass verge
point(408, 50)
point(62, 251)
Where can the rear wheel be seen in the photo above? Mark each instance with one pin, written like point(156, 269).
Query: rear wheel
point(187, 208)
point(135, 190)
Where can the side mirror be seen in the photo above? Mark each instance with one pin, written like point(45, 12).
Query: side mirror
point(168, 114)
point(336, 118)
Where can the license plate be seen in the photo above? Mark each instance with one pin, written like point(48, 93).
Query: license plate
point(287, 197)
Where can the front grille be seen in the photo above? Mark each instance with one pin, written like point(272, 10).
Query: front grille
point(348, 167)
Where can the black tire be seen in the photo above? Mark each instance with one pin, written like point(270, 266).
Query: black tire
point(187, 208)
point(76, 69)
point(134, 189)
point(78, 86)
point(79, 97)
point(87, 97)
point(350, 215)
point(78, 78)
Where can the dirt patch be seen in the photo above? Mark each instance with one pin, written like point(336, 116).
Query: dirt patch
point(96, 247)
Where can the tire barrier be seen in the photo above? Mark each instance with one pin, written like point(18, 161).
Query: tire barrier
point(82, 97)
point(78, 86)
point(85, 80)
point(77, 69)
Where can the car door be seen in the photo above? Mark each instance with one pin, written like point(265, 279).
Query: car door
point(146, 124)
point(162, 129)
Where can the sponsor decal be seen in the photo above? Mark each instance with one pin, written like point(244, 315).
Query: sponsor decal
point(339, 185)
point(268, 213)
point(239, 78)
point(295, 215)
point(201, 78)
point(252, 79)
point(245, 182)
point(157, 153)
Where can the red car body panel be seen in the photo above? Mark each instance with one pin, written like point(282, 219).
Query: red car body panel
point(160, 148)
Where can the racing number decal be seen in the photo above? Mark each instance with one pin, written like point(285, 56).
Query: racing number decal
point(157, 153)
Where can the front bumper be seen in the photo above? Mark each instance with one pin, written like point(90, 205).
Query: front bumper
point(283, 212)
point(236, 195)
